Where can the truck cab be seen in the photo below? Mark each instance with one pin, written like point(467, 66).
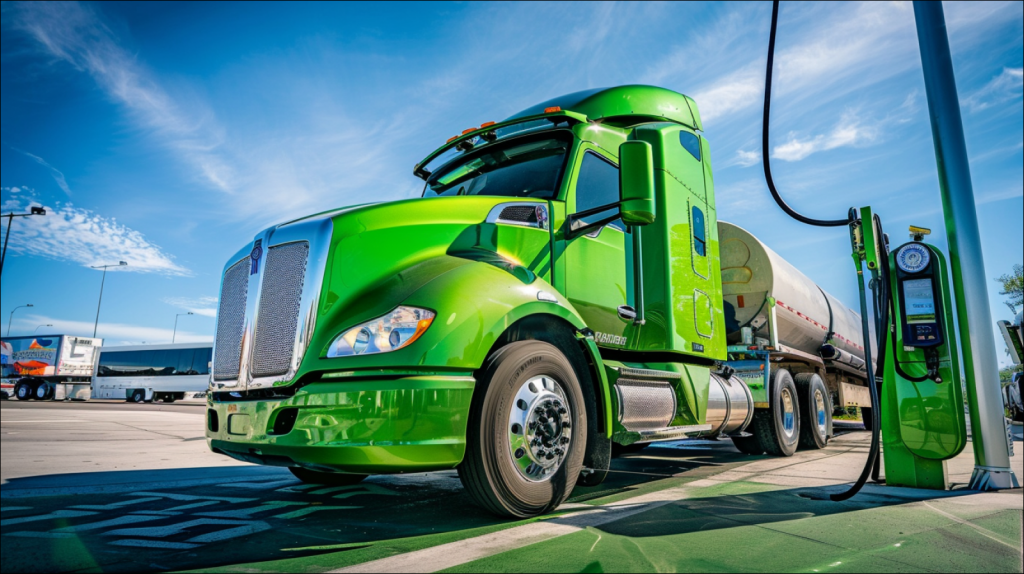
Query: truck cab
point(548, 296)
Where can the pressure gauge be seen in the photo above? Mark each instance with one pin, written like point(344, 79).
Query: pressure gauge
point(913, 258)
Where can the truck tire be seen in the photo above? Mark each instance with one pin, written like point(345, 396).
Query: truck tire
point(748, 444)
point(527, 431)
point(327, 478)
point(138, 397)
point(23, 391)
point(815, 410)
point(778, 428)
point(43, 392)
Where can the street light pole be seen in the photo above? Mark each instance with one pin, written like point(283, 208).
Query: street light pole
point(103, 282)
point(175, 335)
point(7, 236)
point(11, 320)
point(40, 327)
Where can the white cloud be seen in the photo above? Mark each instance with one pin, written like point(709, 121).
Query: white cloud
point(733, 93)
point(68, 233)
point(73, 33)
point(57, 175)
point(1006, 87)
point(849, 132)
point(204, 306)
point(111, 333)
point(747, 158)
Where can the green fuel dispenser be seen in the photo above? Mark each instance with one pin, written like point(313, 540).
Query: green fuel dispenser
point(923, 419)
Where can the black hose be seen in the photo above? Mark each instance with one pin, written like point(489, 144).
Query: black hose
point(764, 137)
point(876, 431)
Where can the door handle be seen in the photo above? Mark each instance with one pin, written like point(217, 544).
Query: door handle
point(627, 313)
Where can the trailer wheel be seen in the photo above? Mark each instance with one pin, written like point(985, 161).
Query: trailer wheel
point(815, 410)
point(138, 397)
point(327, 478)
point(43, 392)
point(527, 431)
point(23, 391)
point(778, 428)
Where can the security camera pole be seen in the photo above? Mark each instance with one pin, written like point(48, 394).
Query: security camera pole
point(102, 283)
point(7, 237)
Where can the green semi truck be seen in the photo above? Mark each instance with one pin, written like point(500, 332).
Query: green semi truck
point(563, 287)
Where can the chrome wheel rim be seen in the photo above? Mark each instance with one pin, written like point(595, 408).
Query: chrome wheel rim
point(788, 414)
point(539, 428)
point(821, 417)
point(23, 392)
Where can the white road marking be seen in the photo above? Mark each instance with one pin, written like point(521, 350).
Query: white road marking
point(190, 498)
point(120, 521)
point(43, 535)
point(307, 511)
point(457, 553)
point(986, 533)
point(260, 485)
point(244, 513)
point(173, 529)
point(158, 544)
point(115, 505)
point(51, 516)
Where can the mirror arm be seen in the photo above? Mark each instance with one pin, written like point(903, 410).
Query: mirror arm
point(571, 233)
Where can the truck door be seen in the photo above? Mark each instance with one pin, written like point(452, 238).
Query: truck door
point(595, 271)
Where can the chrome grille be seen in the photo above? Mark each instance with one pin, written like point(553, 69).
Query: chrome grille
point(231, 320)
point(280, 301)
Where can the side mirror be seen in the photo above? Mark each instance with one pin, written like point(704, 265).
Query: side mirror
point(636, 183)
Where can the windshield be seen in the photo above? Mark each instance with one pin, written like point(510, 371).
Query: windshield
point(516, 169)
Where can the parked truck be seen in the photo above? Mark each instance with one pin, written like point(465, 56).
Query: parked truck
point(51, 367)
point(1013, 391)
point(562, 285)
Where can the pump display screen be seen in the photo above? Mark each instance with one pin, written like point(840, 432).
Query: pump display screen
point(920, 301)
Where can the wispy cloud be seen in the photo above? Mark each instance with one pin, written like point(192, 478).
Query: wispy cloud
point(204, 306)
point(1008, 86)
point(747, 158)
point(57, 175)
point(849, 132)
point(73, 33)
point(113, 334)
point(68, 233)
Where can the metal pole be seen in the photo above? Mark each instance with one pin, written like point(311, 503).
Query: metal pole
point(174, 336)
point(11, 319)
point(970, 282)
point(7, 238)
point(102, 282)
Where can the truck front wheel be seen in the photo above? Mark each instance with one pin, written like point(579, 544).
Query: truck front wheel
point(527, 431)
point(138, 397)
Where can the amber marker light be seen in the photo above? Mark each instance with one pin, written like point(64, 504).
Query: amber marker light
point(552, 109)
point(486, 125)
point(451, 139)
point(421, 327)
point(469, 131)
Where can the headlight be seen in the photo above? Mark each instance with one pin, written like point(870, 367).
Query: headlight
point(399, 328)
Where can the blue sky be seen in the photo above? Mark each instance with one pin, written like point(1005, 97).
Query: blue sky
point(168, 134)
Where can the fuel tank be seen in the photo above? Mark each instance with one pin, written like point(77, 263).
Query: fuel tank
point(753, 274)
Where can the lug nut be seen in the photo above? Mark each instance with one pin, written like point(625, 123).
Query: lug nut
point(550, 456)
point(543, 420)
point(565, 440)
point(562, 410)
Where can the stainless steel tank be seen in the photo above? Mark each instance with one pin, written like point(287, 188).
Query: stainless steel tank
point(752, 273)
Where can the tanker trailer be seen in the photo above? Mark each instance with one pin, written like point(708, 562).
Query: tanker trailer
point(778, 320)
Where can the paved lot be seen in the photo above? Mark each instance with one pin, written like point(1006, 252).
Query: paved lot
point(117, 487)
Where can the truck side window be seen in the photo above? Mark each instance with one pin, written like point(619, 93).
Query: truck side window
point(691, 143)
point(598, 185)
point(699, 237)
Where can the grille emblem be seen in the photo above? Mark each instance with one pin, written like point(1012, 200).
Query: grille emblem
point(257, 253)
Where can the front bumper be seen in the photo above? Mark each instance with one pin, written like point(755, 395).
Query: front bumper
point(409, 424)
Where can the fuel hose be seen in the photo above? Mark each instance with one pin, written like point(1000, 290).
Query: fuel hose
point(873, 455)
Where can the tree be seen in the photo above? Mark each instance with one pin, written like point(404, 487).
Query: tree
point(1013, 288)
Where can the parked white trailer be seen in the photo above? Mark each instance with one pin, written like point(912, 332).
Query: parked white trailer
point(148, 373)
point(49, 367)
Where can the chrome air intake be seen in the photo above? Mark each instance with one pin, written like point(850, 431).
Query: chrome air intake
point(269, 298)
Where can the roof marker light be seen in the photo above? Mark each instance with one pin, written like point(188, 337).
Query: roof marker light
point(451, 139)
point(486, 125)
point(552, 109)
point(470, 130)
